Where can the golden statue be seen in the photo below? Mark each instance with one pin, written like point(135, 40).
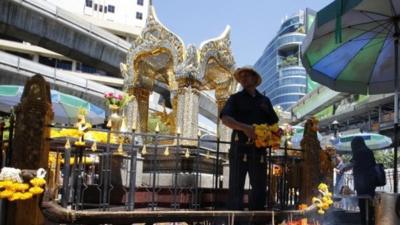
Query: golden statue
point(82, 127)
point(310, 168)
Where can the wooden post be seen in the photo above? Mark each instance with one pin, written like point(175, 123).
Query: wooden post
point(30, 145)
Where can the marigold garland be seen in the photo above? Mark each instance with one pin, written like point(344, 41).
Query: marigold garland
point(12, 188)
point(324, 201)
point(268, 135)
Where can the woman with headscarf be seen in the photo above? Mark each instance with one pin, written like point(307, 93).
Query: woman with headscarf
point(363, 163)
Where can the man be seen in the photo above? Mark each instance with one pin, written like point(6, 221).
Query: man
point(241, 111)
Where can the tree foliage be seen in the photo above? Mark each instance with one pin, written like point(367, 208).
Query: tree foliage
point(386, 157)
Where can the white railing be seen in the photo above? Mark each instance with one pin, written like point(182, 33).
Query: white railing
point(389, 187)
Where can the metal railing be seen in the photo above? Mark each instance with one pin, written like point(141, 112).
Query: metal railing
point(186, 176)
point(107, 177)
point(389, 187)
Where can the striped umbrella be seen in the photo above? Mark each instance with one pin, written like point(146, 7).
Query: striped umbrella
point(65, 107)
point(372, 140)
point(353, 47)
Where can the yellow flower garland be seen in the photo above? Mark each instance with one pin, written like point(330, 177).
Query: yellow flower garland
point(13, 190)
point(267, 135)
point(324, 201)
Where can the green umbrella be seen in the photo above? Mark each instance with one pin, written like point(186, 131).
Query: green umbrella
point(372, 140)
point(353, 47)
point(65, 107)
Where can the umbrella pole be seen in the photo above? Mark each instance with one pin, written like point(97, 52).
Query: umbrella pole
point(396, 107)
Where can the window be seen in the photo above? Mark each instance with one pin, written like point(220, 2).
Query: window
point(64, 64)
point(89, 3)
point(95, 7)
point(105, 9)
point(139, 15)
point(111, 8)
point(140, 2)
point(47, 61)
point(85, 68)
point(101, 8)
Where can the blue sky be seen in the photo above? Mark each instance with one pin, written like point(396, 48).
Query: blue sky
point(253, 22)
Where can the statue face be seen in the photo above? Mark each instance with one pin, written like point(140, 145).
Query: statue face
point(315, 127)
point(34, 91)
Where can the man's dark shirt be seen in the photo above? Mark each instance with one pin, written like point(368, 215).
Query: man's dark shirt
point(250, 110)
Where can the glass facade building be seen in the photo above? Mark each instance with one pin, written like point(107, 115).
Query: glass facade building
point(284, 77)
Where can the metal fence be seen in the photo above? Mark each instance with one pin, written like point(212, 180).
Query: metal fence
point(156, 171)
point(389, 187)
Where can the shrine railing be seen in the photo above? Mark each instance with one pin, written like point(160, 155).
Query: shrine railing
point(156, 171)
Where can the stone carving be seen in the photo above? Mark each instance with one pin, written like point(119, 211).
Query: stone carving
point(124, 73)
point(30, 144)
point(155, 37)
point(218, 49)
point(189, 68)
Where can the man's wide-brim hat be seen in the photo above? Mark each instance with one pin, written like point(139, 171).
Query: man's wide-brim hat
point(239, 73)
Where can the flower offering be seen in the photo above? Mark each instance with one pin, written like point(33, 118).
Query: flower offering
point(116, 101)
point(268, 135)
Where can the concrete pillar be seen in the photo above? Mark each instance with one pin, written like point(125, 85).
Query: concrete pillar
point(73, 68)
point(36, 58)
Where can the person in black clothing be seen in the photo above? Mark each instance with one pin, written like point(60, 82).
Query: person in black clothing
point(241, 111)
point(363, 163)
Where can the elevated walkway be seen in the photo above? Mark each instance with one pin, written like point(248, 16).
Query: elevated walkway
point(362, 108)
point(314, 102)
point(16, 70)
point(63, 32)
point(53, 28)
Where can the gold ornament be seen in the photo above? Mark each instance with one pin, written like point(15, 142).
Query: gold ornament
point(120, 149)
point(166, 151)
point(94, 146)
point(187, 153)
point(144, 150)
point(67, 144)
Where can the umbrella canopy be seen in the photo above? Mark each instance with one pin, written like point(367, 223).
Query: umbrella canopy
point(65, 107)
point(372, 140)
point(353, 47)
point(353, 51)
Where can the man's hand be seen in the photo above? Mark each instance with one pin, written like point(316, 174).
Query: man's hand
point(245, 128)
point(249, 131)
